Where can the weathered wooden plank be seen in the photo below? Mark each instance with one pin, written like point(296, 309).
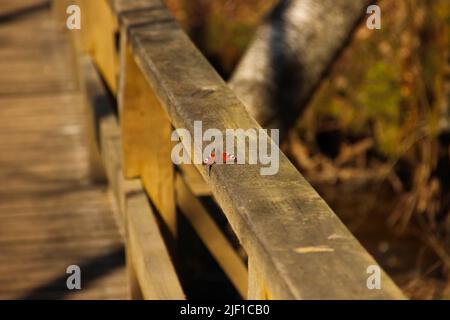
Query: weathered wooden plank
point(149, 256)
point(212, 236)
point(120, 7)
point(273, 216)
point(50, 216)
point(19, 7)
point(38, 50)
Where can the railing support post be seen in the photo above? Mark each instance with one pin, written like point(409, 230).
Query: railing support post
point(146, 133)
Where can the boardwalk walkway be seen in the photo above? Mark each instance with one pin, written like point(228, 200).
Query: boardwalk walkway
point(51, 216)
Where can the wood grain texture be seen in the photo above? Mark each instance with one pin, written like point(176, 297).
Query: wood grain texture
point(51, 216)
point(21, 7)
point(271, 215)
point(36, 52)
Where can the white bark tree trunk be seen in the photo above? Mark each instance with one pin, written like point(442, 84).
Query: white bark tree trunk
point(290, 54)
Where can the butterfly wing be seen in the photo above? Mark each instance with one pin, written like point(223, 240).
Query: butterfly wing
point(228, 157)
point(210, 160)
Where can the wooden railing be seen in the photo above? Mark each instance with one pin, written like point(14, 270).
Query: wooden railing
point(296, 246)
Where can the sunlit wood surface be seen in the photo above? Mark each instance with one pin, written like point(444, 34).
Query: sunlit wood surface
point(51, 216)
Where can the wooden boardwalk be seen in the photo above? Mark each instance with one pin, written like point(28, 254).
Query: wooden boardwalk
point(51, 216)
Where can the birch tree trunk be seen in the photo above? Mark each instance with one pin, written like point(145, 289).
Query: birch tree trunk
point(290, 54)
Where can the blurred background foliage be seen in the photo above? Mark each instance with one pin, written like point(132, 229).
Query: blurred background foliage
point(375, 139)
point(390, 83)
point(222, 29)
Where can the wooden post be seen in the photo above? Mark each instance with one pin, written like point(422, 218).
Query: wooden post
point(99, 29)
point(146, 133)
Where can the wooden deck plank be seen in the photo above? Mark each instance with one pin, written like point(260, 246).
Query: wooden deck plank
point(34, 52)
point(11, 7)
point(51, 216)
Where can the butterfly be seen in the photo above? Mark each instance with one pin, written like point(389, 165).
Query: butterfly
point(211, 160)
